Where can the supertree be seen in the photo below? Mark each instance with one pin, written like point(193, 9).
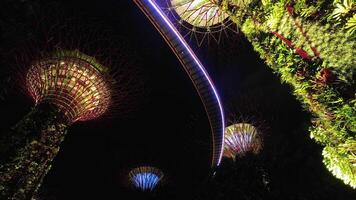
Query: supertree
point(241, 138)
point(67, 86)
point(145, 178)
point(201, 19)
point(241, 174)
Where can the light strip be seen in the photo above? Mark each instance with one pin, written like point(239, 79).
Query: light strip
point(197, 61)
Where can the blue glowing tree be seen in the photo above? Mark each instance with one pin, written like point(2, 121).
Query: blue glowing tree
point(145, 178)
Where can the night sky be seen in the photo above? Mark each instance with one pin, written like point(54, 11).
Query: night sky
point(168, 127)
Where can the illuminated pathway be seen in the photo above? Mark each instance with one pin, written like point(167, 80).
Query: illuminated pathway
point(195, 70)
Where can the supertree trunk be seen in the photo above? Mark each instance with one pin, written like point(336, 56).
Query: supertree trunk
point(312, 46)
point(30, 147)
point(244, 179)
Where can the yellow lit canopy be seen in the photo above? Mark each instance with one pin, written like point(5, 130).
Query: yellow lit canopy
point(72, 83)
point(199, 13)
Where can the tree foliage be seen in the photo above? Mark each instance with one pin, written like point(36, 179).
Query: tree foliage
point(311, 46)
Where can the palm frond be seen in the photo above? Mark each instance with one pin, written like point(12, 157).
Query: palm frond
point(351, 25)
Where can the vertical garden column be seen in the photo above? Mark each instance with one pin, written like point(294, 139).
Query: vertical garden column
point(38, 136)
point(311, 46)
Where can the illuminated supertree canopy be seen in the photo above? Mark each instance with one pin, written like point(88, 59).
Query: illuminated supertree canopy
point(72, 81)
point(241, 138)
point(200, 13)
point(145, 178)
point(201, 19)
point(67, 86)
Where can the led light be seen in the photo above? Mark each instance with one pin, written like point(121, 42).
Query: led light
point(198, 63)
point(71, 89)
point(200, 13)
point(240, 139)
point(145, 178)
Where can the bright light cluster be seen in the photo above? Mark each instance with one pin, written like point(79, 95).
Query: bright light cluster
point(240, 139)
point(199, 13)
point(145, 178)
point(73, 84)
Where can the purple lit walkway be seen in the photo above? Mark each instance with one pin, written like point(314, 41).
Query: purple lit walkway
point(195, 70)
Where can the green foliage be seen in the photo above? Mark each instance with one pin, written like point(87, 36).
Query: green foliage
point(341, 161)
point(307, 44)
point(241, 3)
point(309, 11)
point(275, 18)
point(351, 25)
point(250, 27)
point(346, 118)
point(342, 9)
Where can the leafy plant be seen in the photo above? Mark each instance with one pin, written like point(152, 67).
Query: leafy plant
point(342, 9)
point(317, 59)
point(341, 161)
point(351, 25)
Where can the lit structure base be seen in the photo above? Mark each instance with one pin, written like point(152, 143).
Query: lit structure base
point(31, 146)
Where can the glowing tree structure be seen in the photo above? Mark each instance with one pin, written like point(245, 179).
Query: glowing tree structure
point(202, 17)
point(240, 139)
point(145, 178)
point(67, 86)
point(200, 13)
point(71, 81)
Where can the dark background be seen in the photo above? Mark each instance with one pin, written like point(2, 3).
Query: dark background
point(169, 128)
